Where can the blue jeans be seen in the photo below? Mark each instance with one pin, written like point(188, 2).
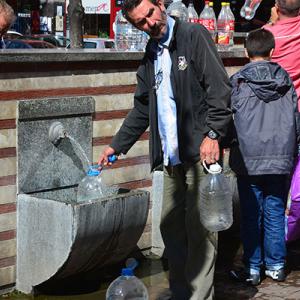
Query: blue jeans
point(262, 200)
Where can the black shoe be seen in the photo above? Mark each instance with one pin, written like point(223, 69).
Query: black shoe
point(245, 276)
point(277, 275)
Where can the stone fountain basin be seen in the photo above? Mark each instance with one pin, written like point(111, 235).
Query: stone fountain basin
point(57, 239)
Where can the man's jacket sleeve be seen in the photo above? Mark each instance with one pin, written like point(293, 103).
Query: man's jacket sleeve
point(136, 122)
point(215, 80)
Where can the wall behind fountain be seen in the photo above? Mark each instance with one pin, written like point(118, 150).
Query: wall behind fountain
point(110, 79)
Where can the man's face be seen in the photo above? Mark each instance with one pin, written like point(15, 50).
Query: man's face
point(4, 26)
point(150, 18)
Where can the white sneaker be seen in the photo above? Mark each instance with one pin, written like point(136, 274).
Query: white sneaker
point(277, 275)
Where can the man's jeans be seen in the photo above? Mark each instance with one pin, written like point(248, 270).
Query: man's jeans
point(262, 201)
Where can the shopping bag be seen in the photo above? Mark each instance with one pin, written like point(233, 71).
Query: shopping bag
point(293, 217)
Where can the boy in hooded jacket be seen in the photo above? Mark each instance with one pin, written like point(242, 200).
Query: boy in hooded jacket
point(264, 105)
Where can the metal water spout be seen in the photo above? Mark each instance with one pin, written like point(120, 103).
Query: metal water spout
point(57, 132)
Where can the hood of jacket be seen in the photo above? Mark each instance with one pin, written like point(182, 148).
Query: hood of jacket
point(267, 80)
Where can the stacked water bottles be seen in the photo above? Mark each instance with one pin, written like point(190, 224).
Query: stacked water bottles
point(127, 37)
point(225, 27)
point(127, 286)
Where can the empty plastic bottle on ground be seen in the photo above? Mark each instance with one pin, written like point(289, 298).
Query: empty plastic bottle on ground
point(215, 200)
point(223, 26)
point(127, 286)
point(179, 10)
point(249, 8)
point(193, 16)
point(206, 19)
point(127, 37)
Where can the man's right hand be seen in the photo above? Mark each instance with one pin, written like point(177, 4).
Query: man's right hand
point(103, 159)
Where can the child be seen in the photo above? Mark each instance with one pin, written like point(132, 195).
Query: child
point(264, 104)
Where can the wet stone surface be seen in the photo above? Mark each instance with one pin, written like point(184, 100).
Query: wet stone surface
point(154, 274)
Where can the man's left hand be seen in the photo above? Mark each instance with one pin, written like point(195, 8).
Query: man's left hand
point(209, 151)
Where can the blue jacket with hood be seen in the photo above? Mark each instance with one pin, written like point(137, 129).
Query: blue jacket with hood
point(264, 104)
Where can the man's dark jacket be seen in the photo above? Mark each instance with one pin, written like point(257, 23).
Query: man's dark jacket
point(264, 103)
point(201, 91)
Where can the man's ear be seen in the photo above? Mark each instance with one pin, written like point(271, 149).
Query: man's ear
point(271, 52)
point(246, 53)
point(161, 4)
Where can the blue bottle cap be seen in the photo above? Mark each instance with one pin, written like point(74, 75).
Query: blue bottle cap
point(93, 171)
point(112, 158)
point(127, 272)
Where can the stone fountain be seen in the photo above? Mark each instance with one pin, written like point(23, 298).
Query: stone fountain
point(56, 237)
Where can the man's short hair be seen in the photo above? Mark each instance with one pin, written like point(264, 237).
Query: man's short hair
point(129, 5)
point(289, 8)
point(259, 43)
point(7, 12)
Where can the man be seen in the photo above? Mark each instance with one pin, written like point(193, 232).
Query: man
point(183, 94)
point(286, 30)
point(7, 17)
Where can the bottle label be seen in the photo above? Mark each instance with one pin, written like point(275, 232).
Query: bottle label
point(209, 24)
point(193, 20)
point(231, 25)
point(223, 38)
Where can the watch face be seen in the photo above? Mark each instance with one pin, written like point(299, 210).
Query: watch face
point(211, 134)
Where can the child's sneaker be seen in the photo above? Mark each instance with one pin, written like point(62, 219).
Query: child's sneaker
point(245, 276)
point(277, 275)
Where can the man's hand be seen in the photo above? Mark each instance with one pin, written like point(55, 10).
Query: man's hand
point(274, 15)
point(103, 159)
point(209, 151)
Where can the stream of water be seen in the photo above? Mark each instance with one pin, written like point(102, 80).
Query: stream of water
point(82, 153)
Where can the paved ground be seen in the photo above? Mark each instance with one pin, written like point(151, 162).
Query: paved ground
point(226, 289)
point(154, 274)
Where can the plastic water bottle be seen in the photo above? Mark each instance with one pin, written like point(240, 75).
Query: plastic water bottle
point(213, 30)
point(206, 19)
point(179, 10)
point(193, 16)
point(223, 27)
point(231, 20)
point(249, 8)
point(127, 286)
point(215, 200)
point(127, 37)
point(92, 187)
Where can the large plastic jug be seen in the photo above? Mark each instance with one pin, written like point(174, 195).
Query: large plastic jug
point(127, 286)
point(215, 200)
point(91, 186)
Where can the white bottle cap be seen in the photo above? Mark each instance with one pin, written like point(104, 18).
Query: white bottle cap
point(215, 168)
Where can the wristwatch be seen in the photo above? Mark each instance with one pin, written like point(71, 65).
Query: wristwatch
point(212, 135)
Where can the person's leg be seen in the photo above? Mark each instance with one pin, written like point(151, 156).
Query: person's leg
point(274, 223)
point(251, 200)
point(202, 245)
point(174, 232)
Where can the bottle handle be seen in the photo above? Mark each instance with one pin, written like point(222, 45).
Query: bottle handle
point(208, 169)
